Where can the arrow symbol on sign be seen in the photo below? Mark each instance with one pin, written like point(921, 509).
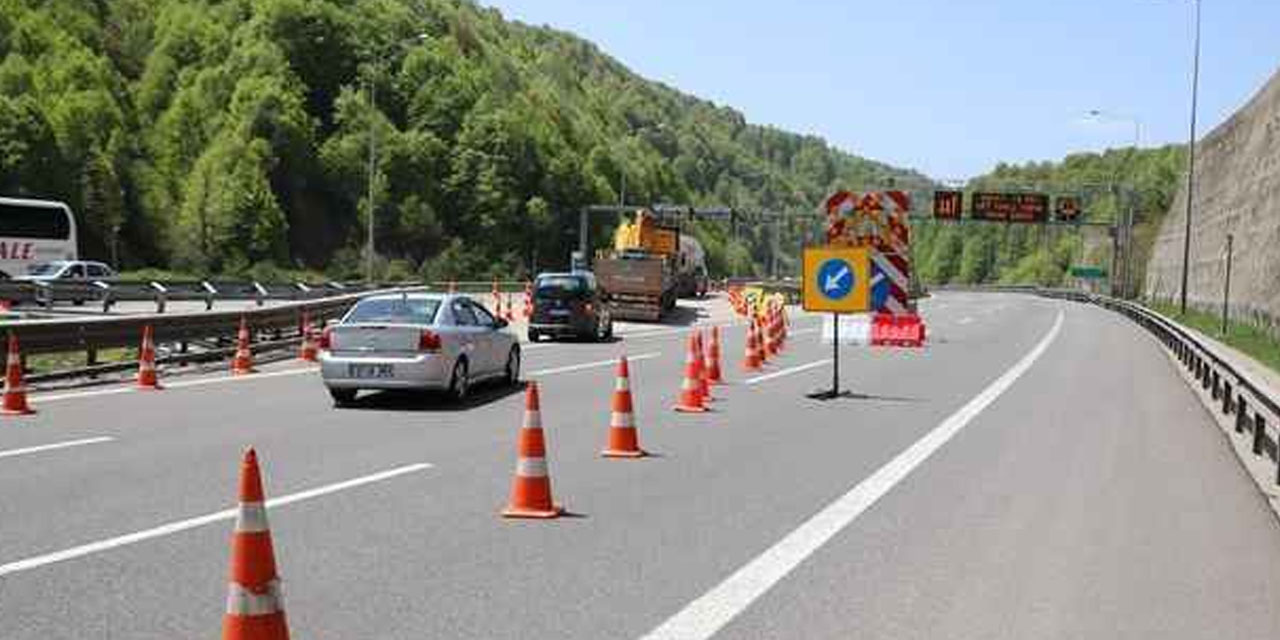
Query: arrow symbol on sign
point(833, 280)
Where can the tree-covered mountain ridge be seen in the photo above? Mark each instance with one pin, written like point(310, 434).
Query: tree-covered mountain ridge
point(222, 136)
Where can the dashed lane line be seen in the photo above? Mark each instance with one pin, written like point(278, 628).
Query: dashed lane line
point(179, 526)
point(13, 453)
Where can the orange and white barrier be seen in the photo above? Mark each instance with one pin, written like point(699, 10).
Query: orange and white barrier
point(691, 398)
point(242, 363)
point(255, 610)
point(713, 358)
point(15, 390)
point(623, 439)
point(147, 376)
point(531, 488)
point(309, 351)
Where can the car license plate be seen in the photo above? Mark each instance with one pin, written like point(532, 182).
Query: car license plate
point(559, 312)
point(370, 371)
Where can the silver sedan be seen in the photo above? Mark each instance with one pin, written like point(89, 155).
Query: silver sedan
point(421, 341)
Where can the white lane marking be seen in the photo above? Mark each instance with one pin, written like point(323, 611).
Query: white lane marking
point(593, 365)
point(786, 372)
point(11, 453)
point(199, 521)
point(703, 617)
point(182, 384)
point(965, 320)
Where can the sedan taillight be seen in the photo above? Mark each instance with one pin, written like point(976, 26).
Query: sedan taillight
point(428, 341)
point(326, 339)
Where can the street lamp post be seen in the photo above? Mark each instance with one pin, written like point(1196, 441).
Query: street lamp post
point(373, 157)
point(1191, 163)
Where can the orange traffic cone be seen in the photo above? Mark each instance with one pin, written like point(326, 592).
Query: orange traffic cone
point(254, 607)
point(713, 358)
point(704, 379)
point(770, 334)
point(527, 312)
point(691, 399)
point(147, 378)
point(762, 348)
point(510, 315)
point(751, 355)
point(308, 351)
point(15, 392)
point(623, 441)
point(242, 363)
point(531, 489)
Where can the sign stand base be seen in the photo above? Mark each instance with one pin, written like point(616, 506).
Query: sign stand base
point(834, 392)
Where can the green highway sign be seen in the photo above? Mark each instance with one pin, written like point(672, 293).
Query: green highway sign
point(1088, 273)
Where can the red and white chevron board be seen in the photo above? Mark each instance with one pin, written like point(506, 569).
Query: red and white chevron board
point(897, 269)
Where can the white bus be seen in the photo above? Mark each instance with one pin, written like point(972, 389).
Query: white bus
point(34, 232)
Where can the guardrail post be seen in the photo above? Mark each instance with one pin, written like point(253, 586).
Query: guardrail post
point(104, 295)
point(1217, 386)
point(44, 294)
point(90, 356)
point(259, 294)
point(1207, 379)
point(1259, 432)
point(1242, 413)
point(209, 294)
point(1226, 398)
point(162, 296)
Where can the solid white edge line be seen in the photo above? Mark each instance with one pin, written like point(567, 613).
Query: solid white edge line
point(198, 521)
point(592, 365)
point(786, 372)
point(50, 447)
point(704, 617)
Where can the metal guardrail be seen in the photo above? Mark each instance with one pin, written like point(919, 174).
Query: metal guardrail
point(107, 293)
point(1256, 414)
point(280, 325)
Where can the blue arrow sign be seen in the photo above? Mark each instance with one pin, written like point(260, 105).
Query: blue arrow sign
point(835, 279)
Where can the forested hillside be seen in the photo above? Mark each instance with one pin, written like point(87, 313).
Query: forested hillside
point(223, 136)
point(1022, 254)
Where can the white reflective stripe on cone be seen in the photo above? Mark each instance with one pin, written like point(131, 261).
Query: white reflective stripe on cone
point(533, 419)
point(622, 420)
point(531, 467)
point(251, 518)
point(623, 384)
point(242, 602)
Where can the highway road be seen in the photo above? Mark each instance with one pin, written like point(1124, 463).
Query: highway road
point(1038, 471)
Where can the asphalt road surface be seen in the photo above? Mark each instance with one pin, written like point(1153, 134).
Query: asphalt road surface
point(1038, 471)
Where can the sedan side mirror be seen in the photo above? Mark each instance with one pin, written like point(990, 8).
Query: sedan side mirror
point(500, 323)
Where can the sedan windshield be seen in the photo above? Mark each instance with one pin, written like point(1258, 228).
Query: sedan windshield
point(395, 311)
point(45, 268)
point(560, 287)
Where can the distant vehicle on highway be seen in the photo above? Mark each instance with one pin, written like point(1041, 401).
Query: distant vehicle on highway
point(570, 304)
point(34, 231)
point(66, 270)
point(418, 341)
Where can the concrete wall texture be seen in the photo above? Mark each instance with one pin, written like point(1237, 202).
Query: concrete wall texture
point(1237, 192)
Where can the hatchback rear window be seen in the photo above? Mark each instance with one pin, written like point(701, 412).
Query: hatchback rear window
point(395, 311)
point(560, 287)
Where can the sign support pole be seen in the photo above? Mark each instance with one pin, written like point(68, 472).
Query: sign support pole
point(834, 391)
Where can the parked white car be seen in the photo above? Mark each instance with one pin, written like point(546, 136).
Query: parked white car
point(422, 341)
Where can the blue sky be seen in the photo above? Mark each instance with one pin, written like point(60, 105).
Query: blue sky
point(949, 87)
